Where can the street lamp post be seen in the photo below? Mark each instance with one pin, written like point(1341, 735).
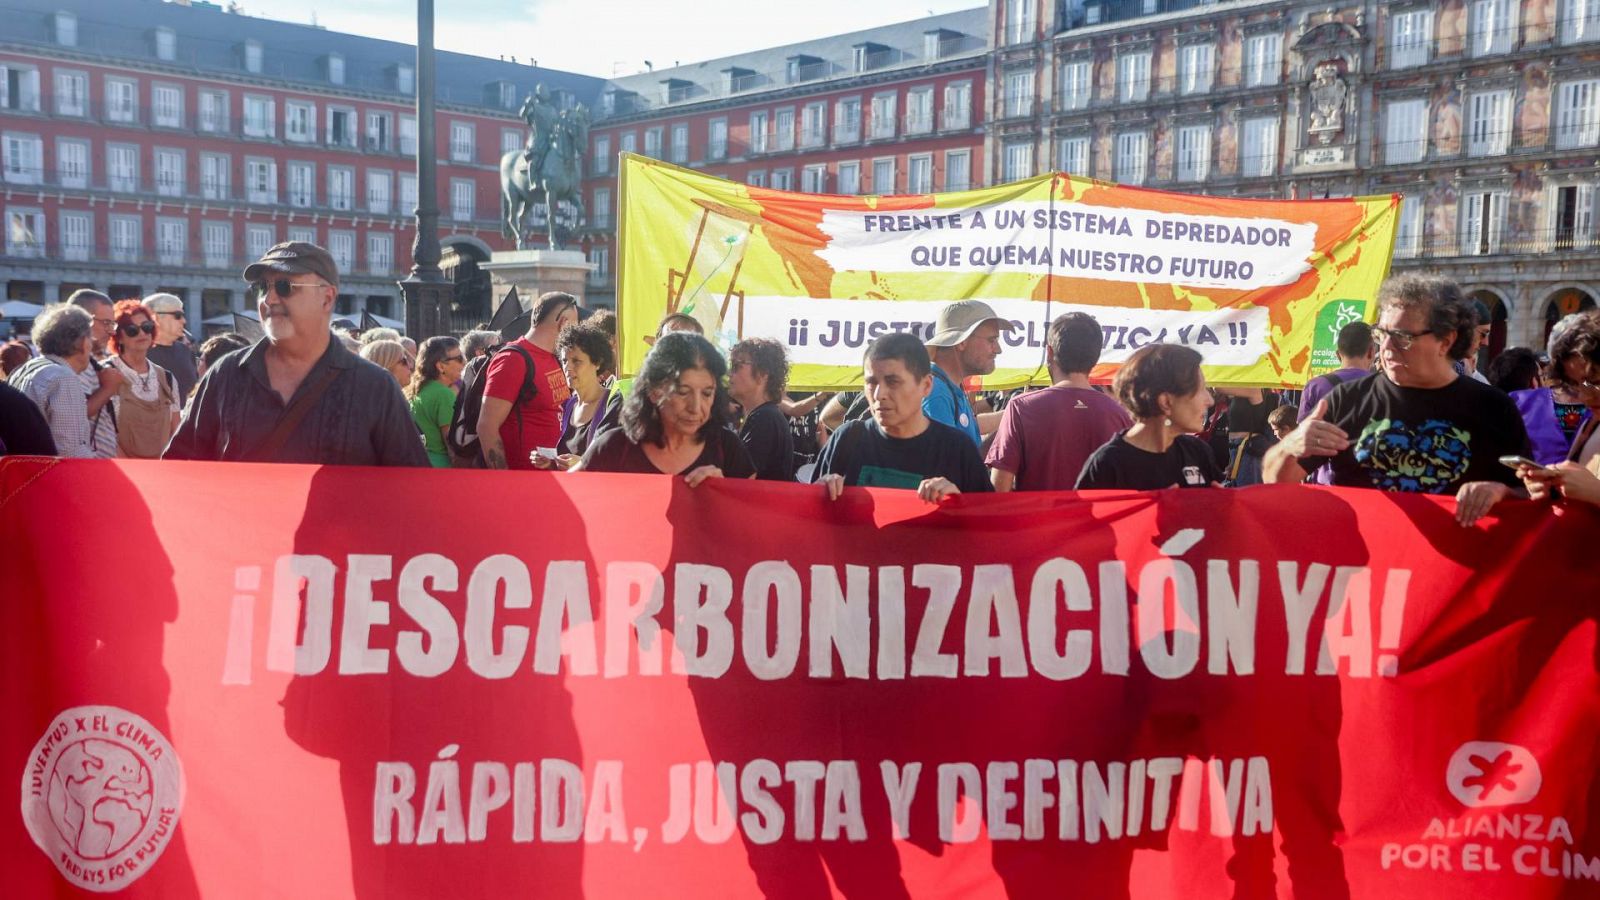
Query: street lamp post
point(427, 292)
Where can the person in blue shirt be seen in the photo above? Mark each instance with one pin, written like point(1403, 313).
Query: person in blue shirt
point(965, 342)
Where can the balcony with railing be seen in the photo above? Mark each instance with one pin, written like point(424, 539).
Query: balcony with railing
point(956, 117)
point(919, 122)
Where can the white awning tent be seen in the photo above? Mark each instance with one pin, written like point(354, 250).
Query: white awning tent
point(225, 320)
point(20, 309)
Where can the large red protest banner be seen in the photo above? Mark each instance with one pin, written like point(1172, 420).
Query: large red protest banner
point(258, 681)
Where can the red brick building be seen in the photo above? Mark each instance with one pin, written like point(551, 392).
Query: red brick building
point(897, 109)
point(150, 146)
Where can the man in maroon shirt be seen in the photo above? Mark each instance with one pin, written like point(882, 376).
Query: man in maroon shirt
point(512, 423)
point(1045, 436)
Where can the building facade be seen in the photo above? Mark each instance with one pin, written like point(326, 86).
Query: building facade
point(1483, 115)
point(152, 146)
point(893, 110)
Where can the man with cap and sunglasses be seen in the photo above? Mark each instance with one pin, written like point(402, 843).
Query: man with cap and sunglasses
point(298, 396)
point(171, 350)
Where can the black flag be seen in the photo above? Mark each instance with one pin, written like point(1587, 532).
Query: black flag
point(249, 326)
point(517, 327)
point(509, 311)
point(368, 322)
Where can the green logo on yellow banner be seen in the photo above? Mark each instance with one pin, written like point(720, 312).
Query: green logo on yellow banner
point(1333, 316)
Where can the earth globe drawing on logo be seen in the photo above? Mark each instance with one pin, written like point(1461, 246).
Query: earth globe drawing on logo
point(100, 797)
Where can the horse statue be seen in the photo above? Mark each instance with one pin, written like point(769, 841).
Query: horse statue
point(549, 170)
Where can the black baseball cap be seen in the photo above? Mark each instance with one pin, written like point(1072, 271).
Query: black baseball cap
point(294, 258)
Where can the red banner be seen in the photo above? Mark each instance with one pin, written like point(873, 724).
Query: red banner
point(233, 680)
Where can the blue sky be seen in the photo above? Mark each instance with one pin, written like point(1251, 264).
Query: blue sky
point(606, 37)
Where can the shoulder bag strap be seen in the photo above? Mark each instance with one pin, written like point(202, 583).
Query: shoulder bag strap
point(292, 417)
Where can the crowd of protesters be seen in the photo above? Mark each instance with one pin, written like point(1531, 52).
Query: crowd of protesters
point(1406, 410)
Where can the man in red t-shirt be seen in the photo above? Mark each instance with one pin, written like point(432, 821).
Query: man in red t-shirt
point(1046, 436)
point(508, 430)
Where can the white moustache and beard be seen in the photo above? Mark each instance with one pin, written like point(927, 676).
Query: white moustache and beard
point(278, 327)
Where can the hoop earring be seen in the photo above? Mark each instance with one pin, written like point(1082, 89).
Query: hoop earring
point(1168, 421)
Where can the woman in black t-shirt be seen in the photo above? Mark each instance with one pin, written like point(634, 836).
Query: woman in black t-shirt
point(675, 420)
point(1164, 389)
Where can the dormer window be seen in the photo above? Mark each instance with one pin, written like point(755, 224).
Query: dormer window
point(166, 44)
point(736, 79)
point(252, 57)
point(937, 42)
point(335, 66)
point(500, 94)
point(803, 68)
point(66, 29)
point(403, 79)
point(675, 90)
point(868, 56)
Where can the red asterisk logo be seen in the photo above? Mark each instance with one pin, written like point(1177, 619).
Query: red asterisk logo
point(1492, 773)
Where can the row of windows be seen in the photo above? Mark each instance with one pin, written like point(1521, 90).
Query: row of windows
point(176, 243)
point(1488, 122)
point(1131, 154)
point(1492, 27)
point(807, 126)
point(164, 46)
point(1197, 72)
point(306, 185)
point(301, 121)
point(1482, 215)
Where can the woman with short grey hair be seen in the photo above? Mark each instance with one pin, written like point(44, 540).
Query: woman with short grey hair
point(63, 334)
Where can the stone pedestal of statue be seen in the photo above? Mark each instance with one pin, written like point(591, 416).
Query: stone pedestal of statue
point(534, 272)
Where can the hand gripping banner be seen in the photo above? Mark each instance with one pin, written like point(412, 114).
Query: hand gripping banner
point(251, 681)
point(1259, 287)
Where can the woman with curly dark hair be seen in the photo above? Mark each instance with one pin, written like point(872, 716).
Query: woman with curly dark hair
point(588, 362)
point(675, 420)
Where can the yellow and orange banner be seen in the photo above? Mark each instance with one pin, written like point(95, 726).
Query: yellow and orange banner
point(1259, 287)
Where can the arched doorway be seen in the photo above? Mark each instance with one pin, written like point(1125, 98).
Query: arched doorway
point(1565, 302)
point(1499, 317)
point(470, 300)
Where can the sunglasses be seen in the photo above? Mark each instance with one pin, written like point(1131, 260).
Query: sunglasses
point(132, 330)
point(1402, 340)
point(283, 287)
point(175, 315)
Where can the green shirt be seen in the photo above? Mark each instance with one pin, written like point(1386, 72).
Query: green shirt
point(432, 408)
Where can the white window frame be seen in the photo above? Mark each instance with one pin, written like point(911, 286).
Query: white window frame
point(847, 120)
point(68, 151)
point(1577, 119)
point(118, 178)
point(299, 121)
point(28, 94)
point(680, 142)
point(760, 134)
point(1491, 27)
point(341, 187)
point(1580, 21)
point(1016, 161)
point(1196, 68)
point(212, 115)
point(884, 105)
point(814, 178)
point(600, 208)
point(814, 124)
point(716, 144)
point(72, 93)
point(783, 122)
point(406, 135)
point(166, 41)
point(76, 223)
point(1019, 21)
point(847, 178)
point(1072, 155)
point(301, 178)
point(951, 182)
point(172, 241)
point(252, 57)
point(957, 113)
point(463, 141)
point(919, 183)
point(304, 233)
point(879, 166)
point(258, 239)
point(1264, 162)
point(756, 178)
point(1402, 143)
point(347, 136)
point(380, 192)
point(1018, 93)
point(1487, 126)
point(260, 116)
point(1131, 157)
point(1482, 229)
point(919, 110)
point(122, 99)
point(166, 105)
point(653, 141)
point(22, 158)
point(380, 252)
point(1410, 38)
point(1263, 59)
point(463, 199)
point(602, 150)
point(258, 189)
point(217, 252)
point(783, 179)
point(1077, 84)
point(170, 171)
point(342, 247)
point(380, 132)
point(124, 236)
point(23, 240)
point(1133, 76)
point(406, 193)
point(215, 175)
point(1585, 215)
point(1408, 229)
point(1192, 159)
point(511, 140)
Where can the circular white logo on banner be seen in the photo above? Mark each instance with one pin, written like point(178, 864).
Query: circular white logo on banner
point(1491, 773)
point(101, 795)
